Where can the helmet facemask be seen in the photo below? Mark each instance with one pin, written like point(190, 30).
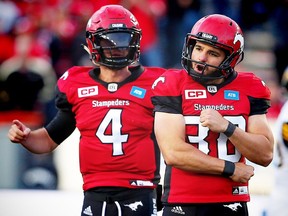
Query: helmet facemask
point(114, 48)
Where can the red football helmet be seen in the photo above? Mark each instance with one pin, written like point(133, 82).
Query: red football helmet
point(113, 37)
point(219, 31)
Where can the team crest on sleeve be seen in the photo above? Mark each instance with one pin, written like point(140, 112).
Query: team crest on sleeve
point(138, 92)
point(87, 91)
point(65, 75)
point(160, 79)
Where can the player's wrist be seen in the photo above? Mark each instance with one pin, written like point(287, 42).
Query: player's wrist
point(229, 169)
point(230, 129)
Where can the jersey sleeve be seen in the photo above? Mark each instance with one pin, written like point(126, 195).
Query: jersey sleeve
point(167, 93)
point(259, 105)
point(64, 123)
point(258, 94)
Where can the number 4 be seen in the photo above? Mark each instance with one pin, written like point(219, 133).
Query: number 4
point(117, 139)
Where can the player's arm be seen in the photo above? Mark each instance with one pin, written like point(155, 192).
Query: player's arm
point(257, 143)
point(37, 141)
point(46, 139)
point(170, 134)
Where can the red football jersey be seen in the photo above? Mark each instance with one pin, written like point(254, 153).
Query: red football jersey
point(115, 120)
point(239, 97)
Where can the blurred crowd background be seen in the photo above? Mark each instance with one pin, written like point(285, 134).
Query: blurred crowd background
point(41, 39)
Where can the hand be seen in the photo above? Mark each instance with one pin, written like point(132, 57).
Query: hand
point(18, 132)
point(213, 120)
point(242, 173)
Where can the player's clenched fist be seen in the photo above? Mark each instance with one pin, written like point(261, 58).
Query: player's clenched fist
point(18, 132)
point(242, 173)
point(213, 120)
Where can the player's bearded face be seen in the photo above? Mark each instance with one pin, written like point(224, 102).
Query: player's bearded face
point(206, 55)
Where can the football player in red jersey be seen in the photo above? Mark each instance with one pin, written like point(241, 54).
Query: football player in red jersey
point(111, 106)
point(210, 119)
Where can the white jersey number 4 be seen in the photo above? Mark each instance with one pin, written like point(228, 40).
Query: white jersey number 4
point(116, 138)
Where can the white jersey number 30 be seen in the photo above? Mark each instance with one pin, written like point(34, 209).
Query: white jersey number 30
point(203, 145)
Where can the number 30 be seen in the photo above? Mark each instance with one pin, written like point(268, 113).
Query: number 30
point(202, 137)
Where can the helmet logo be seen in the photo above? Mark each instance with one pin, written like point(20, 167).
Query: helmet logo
point(239, 37)
point(133, 20)
point(89, 23)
